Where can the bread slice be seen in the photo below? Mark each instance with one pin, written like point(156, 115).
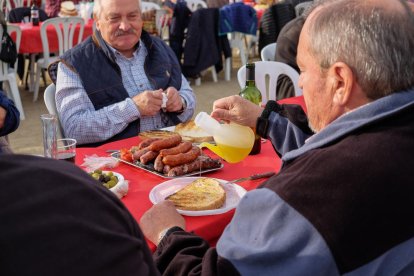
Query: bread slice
point(201, 194)
point(191, 132)
point(157, 133)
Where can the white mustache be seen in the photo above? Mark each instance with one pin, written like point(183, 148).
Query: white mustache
point(121, 32)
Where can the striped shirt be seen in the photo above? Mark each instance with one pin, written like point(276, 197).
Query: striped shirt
point(81, 121)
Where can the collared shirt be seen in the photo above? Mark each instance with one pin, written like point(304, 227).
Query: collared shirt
point(81, 121)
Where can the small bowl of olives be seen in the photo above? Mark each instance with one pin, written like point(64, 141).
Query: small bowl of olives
point(114, 181)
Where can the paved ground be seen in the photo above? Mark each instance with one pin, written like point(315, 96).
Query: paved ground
point(27, 138)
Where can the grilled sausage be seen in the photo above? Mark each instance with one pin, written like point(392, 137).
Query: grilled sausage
point(136, 155)
point(165, 143)
point(181, 148)
point(158, 165)
point(182, 158)
point(145, 143)
point(147, 157)
point(201, 163)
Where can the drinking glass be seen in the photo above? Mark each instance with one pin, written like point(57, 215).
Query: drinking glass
point(49, 124)
point(66, 149)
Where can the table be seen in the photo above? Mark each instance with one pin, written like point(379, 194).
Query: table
point(31, 43)
point(141, 182)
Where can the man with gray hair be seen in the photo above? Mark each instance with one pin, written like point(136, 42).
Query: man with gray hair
point(343, 200)
point(120, 81)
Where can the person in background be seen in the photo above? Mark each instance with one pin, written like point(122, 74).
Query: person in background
point(322, 213)
point(9, 121)
point(57, 220)
point(120, 81)
point(52, 7)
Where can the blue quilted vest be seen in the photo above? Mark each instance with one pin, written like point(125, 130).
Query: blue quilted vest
point(95, 63)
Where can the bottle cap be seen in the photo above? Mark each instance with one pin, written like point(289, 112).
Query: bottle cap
point(207, 123)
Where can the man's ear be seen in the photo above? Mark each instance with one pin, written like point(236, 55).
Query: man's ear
point(343, 79)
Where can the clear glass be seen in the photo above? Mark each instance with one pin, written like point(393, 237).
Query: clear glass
point(49, 124)
point(66, 149)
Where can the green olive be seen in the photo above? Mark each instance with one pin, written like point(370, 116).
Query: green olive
point(111, 183)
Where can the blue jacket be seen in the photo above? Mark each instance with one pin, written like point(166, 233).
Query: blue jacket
point(12, 120)
point(238, 17)
point(95, 63)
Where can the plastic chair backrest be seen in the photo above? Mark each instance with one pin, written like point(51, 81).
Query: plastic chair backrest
point(268, 52)
point(146, 6)
point(194, 5)
point(65, 28)
point(272, 69)
point(11, 4)
point(50, 102)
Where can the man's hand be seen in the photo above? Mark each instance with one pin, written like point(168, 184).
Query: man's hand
point(3, 113)
point(174, 102)
point(158, 218)
point(148, 102)
point(237, 110)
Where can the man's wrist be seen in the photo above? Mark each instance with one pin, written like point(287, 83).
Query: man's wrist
point(184, 105)
point(166, 232)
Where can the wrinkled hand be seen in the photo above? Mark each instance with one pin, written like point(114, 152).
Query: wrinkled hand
point(148, 102)
point(174, 102)
point(3, 113)
point(237, 110)
point(159, 217)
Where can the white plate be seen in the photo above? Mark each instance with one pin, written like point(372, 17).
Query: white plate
point(234, 193)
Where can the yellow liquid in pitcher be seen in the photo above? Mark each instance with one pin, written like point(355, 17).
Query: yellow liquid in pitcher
point(233, 154)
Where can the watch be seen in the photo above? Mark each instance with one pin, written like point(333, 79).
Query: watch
point(262, 123)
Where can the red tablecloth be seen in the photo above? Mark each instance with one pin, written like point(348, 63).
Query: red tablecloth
point(141, 182)
point(31, 43)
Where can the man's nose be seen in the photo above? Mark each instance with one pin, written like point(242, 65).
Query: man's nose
point(125, 25)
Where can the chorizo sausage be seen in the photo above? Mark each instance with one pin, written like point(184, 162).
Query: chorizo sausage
point(136, 155)
point(181, 148)
point(165, 143)
point(182, 158)
point(145, 143)
point(147, 157)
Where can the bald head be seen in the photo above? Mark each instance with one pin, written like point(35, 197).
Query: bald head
point(373, 37)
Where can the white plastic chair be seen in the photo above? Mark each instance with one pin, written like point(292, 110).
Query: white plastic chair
point(268, 52)
point(50, 102)
point(8, 74)
point(194, 5)
point(11, 4)
point(269, 70)
point(65, 28)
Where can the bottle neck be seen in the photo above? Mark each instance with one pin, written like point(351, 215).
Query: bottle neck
point(250, 83)
point(250, 76)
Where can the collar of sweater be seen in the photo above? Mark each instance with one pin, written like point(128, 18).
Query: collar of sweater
point(357, 118)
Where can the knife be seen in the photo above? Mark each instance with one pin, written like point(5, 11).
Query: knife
point(252, 177)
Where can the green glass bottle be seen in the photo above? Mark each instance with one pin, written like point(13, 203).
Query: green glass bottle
point(251, 93)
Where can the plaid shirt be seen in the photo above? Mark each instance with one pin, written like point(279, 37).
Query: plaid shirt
point(81, 121)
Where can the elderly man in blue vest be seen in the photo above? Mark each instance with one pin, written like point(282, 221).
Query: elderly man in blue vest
point(120, 81)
